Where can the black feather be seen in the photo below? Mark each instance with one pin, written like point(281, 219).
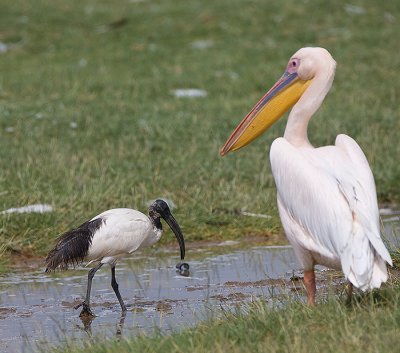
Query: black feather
point(73, 246)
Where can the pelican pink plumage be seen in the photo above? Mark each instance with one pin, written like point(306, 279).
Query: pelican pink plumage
point(326, 196)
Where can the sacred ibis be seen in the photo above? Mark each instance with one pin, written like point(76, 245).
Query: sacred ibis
point(109, 236)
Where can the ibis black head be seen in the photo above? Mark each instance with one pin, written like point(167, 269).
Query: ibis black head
point(159, 208)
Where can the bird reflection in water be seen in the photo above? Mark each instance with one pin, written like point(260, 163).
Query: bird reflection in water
point(88, 319)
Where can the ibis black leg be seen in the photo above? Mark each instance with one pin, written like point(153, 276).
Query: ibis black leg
point(86, 303)
point(114, 286)
point(120, 324)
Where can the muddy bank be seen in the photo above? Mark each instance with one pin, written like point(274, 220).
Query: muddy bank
point(37, 309)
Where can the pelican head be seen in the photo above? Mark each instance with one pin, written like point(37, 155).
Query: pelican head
point(304, 67)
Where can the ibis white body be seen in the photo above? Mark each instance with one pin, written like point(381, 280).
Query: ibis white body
point(122, 232)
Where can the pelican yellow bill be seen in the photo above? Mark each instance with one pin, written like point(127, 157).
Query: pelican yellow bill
point(282, 96)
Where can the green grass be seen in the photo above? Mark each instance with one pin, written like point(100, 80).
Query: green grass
point(134, 141)
point(370, 324)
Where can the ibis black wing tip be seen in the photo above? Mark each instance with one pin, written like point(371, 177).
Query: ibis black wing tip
point(72, 246)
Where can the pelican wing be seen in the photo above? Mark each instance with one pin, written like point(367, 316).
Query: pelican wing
point(329, 195)
point(359, 189)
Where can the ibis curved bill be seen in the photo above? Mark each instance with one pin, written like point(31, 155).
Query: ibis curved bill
point(326, 196)
point(109, 236)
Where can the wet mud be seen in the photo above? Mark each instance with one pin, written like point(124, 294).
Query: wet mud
point(37, 309)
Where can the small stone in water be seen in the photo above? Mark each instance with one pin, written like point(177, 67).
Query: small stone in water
point(183, 268)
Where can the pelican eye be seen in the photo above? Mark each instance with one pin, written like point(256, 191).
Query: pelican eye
point(293, 65)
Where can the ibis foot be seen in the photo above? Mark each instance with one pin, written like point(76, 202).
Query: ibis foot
point(86, 311)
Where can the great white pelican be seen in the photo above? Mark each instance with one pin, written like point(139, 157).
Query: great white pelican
point(326, 195)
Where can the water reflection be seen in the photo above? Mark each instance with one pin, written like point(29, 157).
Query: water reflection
point(87, 324)
point(37, 309)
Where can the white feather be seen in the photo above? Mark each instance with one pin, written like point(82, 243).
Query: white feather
point(124, 231)
point(328, 208)
point(326, 196)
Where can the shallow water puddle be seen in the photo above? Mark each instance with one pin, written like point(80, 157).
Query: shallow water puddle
point(37, 308)
point(391, 226)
